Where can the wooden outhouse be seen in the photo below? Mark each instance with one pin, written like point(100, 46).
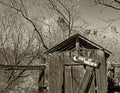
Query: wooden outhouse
point(77, 65)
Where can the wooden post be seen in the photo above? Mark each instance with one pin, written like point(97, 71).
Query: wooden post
point(92, 54)
point(101, 73)
point(77, 46)
point(55, 74)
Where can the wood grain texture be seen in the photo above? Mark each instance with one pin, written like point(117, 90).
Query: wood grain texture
point(82, 88)
point(55, 74)
point(71, 81)
point(92, 87)
point(101, 75)
point(22, 67)
point(68, 80)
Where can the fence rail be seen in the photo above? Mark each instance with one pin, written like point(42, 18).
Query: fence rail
point(22, 67)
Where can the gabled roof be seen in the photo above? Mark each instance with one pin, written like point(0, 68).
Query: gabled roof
point(69, 44)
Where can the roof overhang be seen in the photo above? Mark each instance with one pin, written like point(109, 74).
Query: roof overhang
point(69, 44)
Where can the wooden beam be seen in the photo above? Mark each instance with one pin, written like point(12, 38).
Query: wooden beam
point(73, 64)
point(23, 67)
point(92, 86)
point(77, 46)
point(82, 88)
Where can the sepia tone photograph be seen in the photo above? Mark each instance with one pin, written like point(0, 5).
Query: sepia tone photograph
point(59, 46)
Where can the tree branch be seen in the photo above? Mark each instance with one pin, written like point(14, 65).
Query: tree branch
point(56, 9)
point(117, 1)
point(108, 5)
point(21, 73)
point(29, 20)
point(63, 6)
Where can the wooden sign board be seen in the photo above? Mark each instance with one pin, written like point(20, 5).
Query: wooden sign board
point(86, 61)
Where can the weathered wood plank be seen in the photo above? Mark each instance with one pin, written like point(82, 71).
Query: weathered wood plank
point(22, 67)
point(92, 54)
point(52, 75)
point(85, 81)
point(60, 74)
point(55, 74)
point(78, 73)
point(92, 87)
point(101, 73)
point(68, 80)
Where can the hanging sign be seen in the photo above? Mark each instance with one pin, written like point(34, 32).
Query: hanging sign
point(85, 61)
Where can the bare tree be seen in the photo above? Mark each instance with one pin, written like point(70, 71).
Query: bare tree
point(19, 6)
point(18, 46)
point(68, 11)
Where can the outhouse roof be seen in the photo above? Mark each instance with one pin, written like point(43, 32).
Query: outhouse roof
point(70, 43)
